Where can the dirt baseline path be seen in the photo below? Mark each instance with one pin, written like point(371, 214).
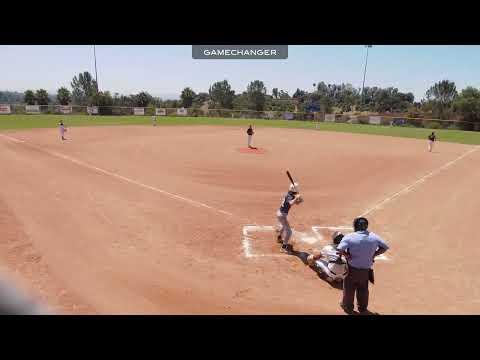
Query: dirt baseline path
point(151, 220)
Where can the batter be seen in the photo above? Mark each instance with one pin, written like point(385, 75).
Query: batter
point(284, 230)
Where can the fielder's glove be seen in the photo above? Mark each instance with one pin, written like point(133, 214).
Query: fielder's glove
point(311, 260)
point(315, 255)
point(298, 200)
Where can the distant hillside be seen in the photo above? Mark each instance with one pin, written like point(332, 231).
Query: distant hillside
point(11, 97)
point(169, 96)
point(15, 97)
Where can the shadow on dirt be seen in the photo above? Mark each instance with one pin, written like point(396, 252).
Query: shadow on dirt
point(302, 255)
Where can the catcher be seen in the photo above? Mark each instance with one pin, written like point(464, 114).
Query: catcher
point(328, 261)
point(291, 198)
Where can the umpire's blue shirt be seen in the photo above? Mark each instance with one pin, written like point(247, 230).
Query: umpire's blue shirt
point(361, 246)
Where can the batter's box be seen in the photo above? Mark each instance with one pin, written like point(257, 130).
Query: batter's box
point(259, 240)
point(264, 238)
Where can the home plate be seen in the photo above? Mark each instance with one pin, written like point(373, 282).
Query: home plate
point(259, 241)
point(309, 239)
point(305, 238)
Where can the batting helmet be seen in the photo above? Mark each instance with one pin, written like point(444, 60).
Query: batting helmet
point(360, 224)
point(337, 236)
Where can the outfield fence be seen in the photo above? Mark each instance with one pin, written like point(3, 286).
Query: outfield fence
point(405, 121)
point(372, 119)
point(150, 111)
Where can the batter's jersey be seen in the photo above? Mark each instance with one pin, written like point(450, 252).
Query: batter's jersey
point(285, 206)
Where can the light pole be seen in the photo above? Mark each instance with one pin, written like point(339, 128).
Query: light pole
point(95, 57)
point(365, 72)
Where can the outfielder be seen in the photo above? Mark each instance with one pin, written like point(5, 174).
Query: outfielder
point(329, 262)
point(431, 139)
point(284, 231)
point(62, 129)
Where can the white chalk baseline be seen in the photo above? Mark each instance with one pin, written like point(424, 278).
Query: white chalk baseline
point(247, 241)
point(247, 247)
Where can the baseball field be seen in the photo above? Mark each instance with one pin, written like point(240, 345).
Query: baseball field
point(177, 219)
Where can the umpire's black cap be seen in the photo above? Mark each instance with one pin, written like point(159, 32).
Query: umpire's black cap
point(360, 224)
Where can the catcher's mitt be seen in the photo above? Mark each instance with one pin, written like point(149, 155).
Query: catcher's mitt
point(310, 260)
point(313, 256)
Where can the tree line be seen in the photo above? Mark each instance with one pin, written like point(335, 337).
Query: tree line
point(442, 100)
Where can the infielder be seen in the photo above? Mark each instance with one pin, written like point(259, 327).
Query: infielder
point(284, 231)
point(154, 120)
point(62, 129)
point(328, 261)
point(431, 139)
point(250, 133)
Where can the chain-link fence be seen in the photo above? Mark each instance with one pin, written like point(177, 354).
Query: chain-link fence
point(150, 111)
point(404, 121)
point(372, 119)
point(252, 114)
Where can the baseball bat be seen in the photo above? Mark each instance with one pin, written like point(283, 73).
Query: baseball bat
point(290, 177)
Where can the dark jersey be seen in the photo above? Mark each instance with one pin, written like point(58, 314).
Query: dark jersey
point(250, 131)
point(285, 206)
point(432, 137)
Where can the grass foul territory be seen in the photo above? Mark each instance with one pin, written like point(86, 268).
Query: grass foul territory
point(10, 122)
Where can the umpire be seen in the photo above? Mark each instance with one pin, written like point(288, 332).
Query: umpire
point(360, 248)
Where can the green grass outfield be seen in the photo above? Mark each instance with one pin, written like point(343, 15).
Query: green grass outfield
point(9, 122)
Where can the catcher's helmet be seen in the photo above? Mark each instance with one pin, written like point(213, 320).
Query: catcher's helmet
point(337, 236)
point(360, 224)
point(294, 187)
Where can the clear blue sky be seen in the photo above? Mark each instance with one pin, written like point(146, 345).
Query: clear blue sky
point(166, 70)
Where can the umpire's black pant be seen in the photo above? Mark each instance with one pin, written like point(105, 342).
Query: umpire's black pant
point(356, 281)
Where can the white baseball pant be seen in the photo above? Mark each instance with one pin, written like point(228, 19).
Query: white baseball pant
point(430, 145)
point(284, 228)
point(250, 140)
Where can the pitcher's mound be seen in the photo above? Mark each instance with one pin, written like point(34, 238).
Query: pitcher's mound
point(252, 151)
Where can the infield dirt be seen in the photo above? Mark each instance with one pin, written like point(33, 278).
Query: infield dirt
point(148, 220)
